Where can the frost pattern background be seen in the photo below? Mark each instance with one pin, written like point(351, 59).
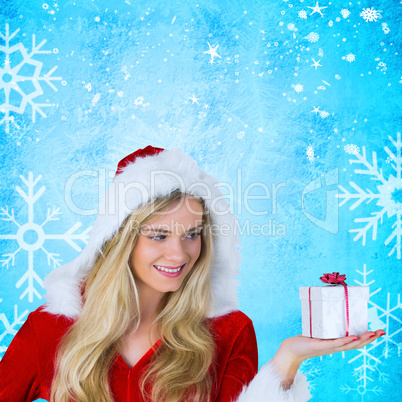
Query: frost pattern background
point(303, 96)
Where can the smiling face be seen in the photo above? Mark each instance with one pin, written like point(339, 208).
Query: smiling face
point(171, 240)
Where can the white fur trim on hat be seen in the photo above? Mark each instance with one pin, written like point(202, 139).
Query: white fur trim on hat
point(138, 183)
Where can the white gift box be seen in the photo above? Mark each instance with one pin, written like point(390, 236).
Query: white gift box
point(328, 311)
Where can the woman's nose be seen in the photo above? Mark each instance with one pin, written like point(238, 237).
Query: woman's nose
point(176, 251)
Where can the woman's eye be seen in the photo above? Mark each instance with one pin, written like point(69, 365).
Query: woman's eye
point(158, 237)
point(194, 235)
point(191, 236)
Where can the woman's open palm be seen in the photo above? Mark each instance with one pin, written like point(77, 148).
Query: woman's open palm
point(301, 347)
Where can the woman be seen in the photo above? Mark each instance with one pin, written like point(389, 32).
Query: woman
point(148, 311)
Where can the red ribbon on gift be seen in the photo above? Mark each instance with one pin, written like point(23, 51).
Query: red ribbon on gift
point(333, 279)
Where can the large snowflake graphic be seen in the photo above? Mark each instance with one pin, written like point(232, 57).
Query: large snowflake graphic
point(31, 236)
point(10, 327)
point(388, 195)
point(20, 78)
point(387, 318)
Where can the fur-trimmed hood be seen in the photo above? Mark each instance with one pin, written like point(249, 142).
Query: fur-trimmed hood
point(148, 177)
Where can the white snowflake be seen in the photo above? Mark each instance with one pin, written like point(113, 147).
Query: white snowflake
point(312, 37)
point(10, 78)
point(317, 9)
point(240, 135)
point(345, 12)
point(350, 57)
point(351, 149)
point(389, 197)
point(70, 237)
point(10, 328)
point(369, 14)
point(320, 52)
point(310, 153)
point(212, 52)
point(45, 6)
point(88, 86)
point(324, 114)
point(382, 65)
point(298, 88)
point(139, 100)
point(385, 28)
point(386, 318)
point(330, 23)
point(302, 14)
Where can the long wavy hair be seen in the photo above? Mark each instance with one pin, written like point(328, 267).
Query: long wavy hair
point(182, 364)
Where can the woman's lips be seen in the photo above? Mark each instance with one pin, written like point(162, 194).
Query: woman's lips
point(171, 274)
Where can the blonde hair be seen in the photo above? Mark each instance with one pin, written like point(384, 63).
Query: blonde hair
point(181, 364)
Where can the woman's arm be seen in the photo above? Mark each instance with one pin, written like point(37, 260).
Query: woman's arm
point(286, 366)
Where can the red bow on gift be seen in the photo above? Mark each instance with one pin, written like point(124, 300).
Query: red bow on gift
point(334, 278)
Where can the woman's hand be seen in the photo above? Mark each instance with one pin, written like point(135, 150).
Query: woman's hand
point(300, 347)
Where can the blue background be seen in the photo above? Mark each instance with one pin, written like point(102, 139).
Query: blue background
point(258, 107)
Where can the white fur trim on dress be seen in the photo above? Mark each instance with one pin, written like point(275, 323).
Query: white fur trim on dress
point(131, 188)
point(266, 387)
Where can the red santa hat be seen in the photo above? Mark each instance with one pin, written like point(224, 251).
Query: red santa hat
point(141, 177)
